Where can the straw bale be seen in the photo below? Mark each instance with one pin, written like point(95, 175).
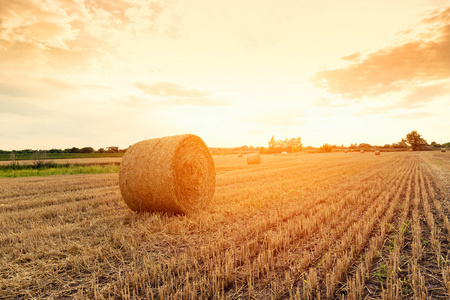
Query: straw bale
point(377, 152)
point(171, 174)
point(443, 149)
point(362, 151)
point(240, 155)
point(254, 158)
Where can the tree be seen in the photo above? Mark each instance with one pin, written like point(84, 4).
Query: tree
point(272, 142)
point(288, 145)
point(364, 145)
point(87, 150)
point(296, 144)
point(415, 140)
point(326, 148)
point(434, 144)
point(401, 144)
point(112, 149)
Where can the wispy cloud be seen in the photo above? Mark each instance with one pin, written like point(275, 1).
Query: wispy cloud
point(412, 115)
point(417, 61)
point(70, 33)
point(166, 89)
point(419, 95)
point(416, 97)
point(175, 94)
point(325, 102)
point(283, 118)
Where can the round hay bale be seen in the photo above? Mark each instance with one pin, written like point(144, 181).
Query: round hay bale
point(377, 152)
point(254, 158)
point(351, 150)
point(240, 155)
point(283, 153)
point(170, 174)
point(362, 151)
point(345, 151)
point(443, 149)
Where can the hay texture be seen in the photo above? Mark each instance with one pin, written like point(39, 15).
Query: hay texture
point(362, 151)
point(443, 149)
point(377, 152)
point(253, 159)
point(170, 174)
point(240, 155)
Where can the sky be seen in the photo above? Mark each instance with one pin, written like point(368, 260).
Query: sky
point(99, 73)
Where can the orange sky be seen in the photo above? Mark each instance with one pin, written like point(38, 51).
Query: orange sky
point(101, 73)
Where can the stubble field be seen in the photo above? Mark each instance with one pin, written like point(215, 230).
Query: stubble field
point(336, 225)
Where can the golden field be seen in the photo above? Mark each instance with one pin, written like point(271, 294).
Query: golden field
point(353, 226)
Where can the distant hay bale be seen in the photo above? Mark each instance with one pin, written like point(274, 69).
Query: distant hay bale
point(345, 151)
point(254, 158)
point(351, 150)
point(283, 153)
point(377, 152)
point(170, 174)
point(443, 150)
point(362, 151)
point(240, 155)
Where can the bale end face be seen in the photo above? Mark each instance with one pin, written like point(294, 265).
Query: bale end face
point(171, 174)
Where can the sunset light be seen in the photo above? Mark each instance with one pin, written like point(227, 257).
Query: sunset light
point(241, 149)
point(100, 73)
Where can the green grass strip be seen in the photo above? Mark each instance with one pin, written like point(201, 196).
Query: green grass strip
point(12, 172)
point(29, 156)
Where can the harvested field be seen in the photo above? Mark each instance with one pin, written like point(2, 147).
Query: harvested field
point(294, 226)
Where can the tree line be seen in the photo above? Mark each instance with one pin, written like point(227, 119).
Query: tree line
point(412, 140)
point(111, 149)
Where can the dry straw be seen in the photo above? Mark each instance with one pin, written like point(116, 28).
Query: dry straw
point(172, 174)
point(362, 151)
point(443, 149)
point(240, 155)
point(345, 151)
point(254, 158)
point(377, 152)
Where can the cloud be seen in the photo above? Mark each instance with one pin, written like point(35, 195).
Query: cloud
point(352, 57)
point(416, 61)
point(166, 89)
point(324, 102)
point(422, 94)
point(412, 115)
point(70, 33)
point(368, 111)
point(197, 101)
point(140, 102)
point(416, 97)
point(283, 118)
point(57, 83)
